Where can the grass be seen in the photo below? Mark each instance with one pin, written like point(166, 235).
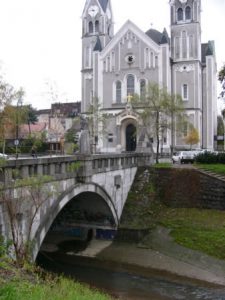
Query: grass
point(162, 165)
point(61, 289)
point(21, 284)
point(198, 229)
point(216, 168)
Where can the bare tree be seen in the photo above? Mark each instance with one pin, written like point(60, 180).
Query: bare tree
point(22, 200)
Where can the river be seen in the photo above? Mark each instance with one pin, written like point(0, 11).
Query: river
point(124, 284)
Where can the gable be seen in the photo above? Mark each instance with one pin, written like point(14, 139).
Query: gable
point(129, 28)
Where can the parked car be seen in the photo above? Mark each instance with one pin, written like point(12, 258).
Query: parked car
point(2, 155)
point(183, 157)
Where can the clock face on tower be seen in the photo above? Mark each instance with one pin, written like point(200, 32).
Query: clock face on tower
point(93, 10)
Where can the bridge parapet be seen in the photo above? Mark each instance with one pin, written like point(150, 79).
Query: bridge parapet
point(62, 167)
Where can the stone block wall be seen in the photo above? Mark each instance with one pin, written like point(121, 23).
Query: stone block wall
point(189, 188)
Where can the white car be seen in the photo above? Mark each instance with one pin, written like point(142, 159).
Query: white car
point(183, 157)
point(2, 155)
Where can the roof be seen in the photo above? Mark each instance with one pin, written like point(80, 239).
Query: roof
point(207, 49)
point(158, 37)
point(103, 4)
point(24, 129)
point(43, 111)
point(98, 45)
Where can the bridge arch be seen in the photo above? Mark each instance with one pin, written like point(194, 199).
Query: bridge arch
point(60, 203)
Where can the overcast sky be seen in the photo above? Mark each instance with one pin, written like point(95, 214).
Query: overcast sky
point(40, 47)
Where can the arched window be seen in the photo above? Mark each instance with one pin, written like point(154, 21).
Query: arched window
point(90, 27)
point(184, 44)
point(188, 13)
point(118, 91)
point(147, 65)
point(185, 92)
point(97, 26)
point(180, 16)
point(130, 85)
point(191, 45)
point(177, 47)
point(142, 89)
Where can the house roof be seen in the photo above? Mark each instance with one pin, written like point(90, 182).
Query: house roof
point(34, 128)
point(103, 4)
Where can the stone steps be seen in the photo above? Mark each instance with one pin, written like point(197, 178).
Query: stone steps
point(212, 174)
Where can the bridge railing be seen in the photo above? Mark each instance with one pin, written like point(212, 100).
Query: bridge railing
point(60, 167)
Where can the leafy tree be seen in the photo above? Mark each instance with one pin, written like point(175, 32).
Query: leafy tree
point(31, 116)
point(96, 122)
point(38, 142)
point(223, 113)
point(159, 111)
point(220, 125)
point(9, 115)
point(221, 78)
point(192, 137)
point(220, 131)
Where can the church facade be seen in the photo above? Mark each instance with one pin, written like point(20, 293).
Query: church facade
point(117, 66)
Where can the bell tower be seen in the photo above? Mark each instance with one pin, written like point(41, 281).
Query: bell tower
point(97, 31)
point(186, 54)
point(186, 29)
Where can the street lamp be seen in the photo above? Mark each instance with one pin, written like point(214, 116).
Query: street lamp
point(16, 142)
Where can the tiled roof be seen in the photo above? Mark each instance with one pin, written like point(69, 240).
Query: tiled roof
point(38, 127)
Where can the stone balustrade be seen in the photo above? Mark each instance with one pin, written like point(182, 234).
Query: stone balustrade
point(61, 167)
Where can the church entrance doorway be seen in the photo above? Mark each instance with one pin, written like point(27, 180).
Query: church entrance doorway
point(130, 138)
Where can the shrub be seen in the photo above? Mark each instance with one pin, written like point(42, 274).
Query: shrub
point(221, 157)
point(207, 157)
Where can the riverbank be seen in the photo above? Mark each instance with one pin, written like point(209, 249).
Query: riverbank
point(163, 258)
point(30, 283)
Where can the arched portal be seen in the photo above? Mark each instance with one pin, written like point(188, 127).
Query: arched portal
point(131, 137)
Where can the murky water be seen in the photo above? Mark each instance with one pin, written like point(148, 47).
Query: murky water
point(124, 285)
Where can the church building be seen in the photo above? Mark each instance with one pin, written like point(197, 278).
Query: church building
point(116, 66)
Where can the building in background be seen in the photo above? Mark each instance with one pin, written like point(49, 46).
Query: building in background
point(117, 66)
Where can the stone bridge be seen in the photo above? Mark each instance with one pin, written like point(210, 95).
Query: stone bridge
point(100, 183)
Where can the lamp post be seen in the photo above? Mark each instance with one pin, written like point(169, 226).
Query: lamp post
point(16, 142)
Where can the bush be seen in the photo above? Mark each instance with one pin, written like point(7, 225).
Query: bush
point(208, 157)
point(221, 157)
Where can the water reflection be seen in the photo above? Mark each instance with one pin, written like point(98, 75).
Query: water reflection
point(125, 285)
